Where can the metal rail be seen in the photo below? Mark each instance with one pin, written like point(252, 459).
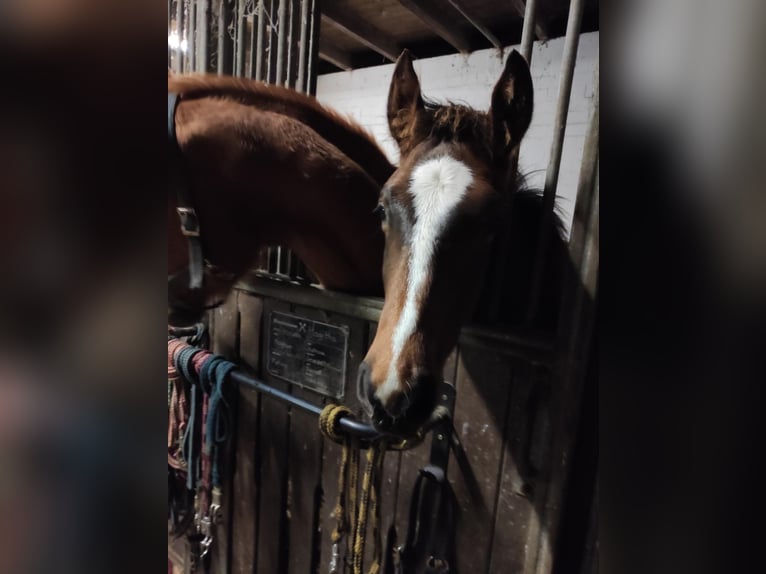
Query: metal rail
point(528, 31)
point(349, 425)
point(568, 61)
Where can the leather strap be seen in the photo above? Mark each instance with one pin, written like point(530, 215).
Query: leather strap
point(188, 216)
point(432, 507)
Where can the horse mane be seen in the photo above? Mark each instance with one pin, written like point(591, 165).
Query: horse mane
point(347, 135)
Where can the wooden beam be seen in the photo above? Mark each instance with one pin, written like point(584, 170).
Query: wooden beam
point(459, 5)
point(335, 56)
point(431, 12)
point(361, 30)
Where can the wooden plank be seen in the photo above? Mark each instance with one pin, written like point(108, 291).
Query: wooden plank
point(272, 548)
point(515, 521)
point(225, 342)
point(331, 452)
point(467, 13)
point(335, 56)
point(361, 30)
point(305, 475)
point(245, 485)
point(483, 388)
point(432, 15)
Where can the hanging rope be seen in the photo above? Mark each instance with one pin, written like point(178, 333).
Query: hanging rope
point(352, 508)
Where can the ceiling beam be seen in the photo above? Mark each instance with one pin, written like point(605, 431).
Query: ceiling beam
point(459, 5)
point(431, 12)
point(335, 56)
point(362, 31)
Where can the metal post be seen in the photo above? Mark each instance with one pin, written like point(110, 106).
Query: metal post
point(313, 55)
point(574, 334)
point(259, 42)
point(554, 163)
point(281, 41)
point(225, 47)
point(191, 38)
point(528, 32)
point(203, 34)
point(180, 57)
point(303, 50)
point(240, 67)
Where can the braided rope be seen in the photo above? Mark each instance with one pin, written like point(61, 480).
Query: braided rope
point(353, 507)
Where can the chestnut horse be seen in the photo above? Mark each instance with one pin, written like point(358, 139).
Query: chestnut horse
point(440, 212)
point(264, 165)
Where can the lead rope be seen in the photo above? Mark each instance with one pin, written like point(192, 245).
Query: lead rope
point(352, 508)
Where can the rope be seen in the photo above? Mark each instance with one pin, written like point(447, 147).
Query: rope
point(353, 508)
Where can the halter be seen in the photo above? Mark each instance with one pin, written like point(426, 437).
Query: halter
point(189, 221)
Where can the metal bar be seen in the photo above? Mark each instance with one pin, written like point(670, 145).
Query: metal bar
point(291, 66)
point(170, 19)
point(528, 31)
point(239, 69)
point(191, 40)
point(253, 21)
point(486, 32)
point(569, 59)
point(179, 63)
point(574, 336)
point(348, 424)
point(588, 173)
point(301, 82)
point(259, 42)
point(225, 47)
point(203, 35)
point(271, 51)
point(281, 41)
point(313, 56)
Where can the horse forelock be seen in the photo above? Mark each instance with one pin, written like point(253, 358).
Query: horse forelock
point(453, 122)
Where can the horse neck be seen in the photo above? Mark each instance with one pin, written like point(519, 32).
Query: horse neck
point(317, 202)
point(348, 136)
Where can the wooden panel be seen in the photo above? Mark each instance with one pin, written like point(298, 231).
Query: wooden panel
point(305, 476)
point(225, 342)
point(272, 548)
point(245, 510)
point(515, 517)
point(483, 389)
point(331, 453)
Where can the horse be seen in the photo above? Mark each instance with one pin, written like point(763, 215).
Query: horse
point(444, 211)
point(265, 165)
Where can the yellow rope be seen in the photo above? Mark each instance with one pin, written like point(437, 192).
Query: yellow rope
point(352, 509)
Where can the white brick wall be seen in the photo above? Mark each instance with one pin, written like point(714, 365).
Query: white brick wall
point(469, 79)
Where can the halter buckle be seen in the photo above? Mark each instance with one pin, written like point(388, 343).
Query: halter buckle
point(189, 221)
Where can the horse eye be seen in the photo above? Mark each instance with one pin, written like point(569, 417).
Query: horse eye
point(381, 211)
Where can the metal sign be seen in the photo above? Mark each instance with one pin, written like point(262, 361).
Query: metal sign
point(308, 353)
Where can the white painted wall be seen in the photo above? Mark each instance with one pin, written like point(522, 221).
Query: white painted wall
point(469, 79)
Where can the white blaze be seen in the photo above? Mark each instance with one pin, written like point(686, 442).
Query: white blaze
point(436, 186)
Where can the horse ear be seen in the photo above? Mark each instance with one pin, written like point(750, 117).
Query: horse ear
point(405, 103)
point(512, 104)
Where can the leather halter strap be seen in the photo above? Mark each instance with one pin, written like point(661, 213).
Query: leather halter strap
point(188, 216)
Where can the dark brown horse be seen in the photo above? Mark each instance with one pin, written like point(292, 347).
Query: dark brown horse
point(441, 212)
point(264, 165)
